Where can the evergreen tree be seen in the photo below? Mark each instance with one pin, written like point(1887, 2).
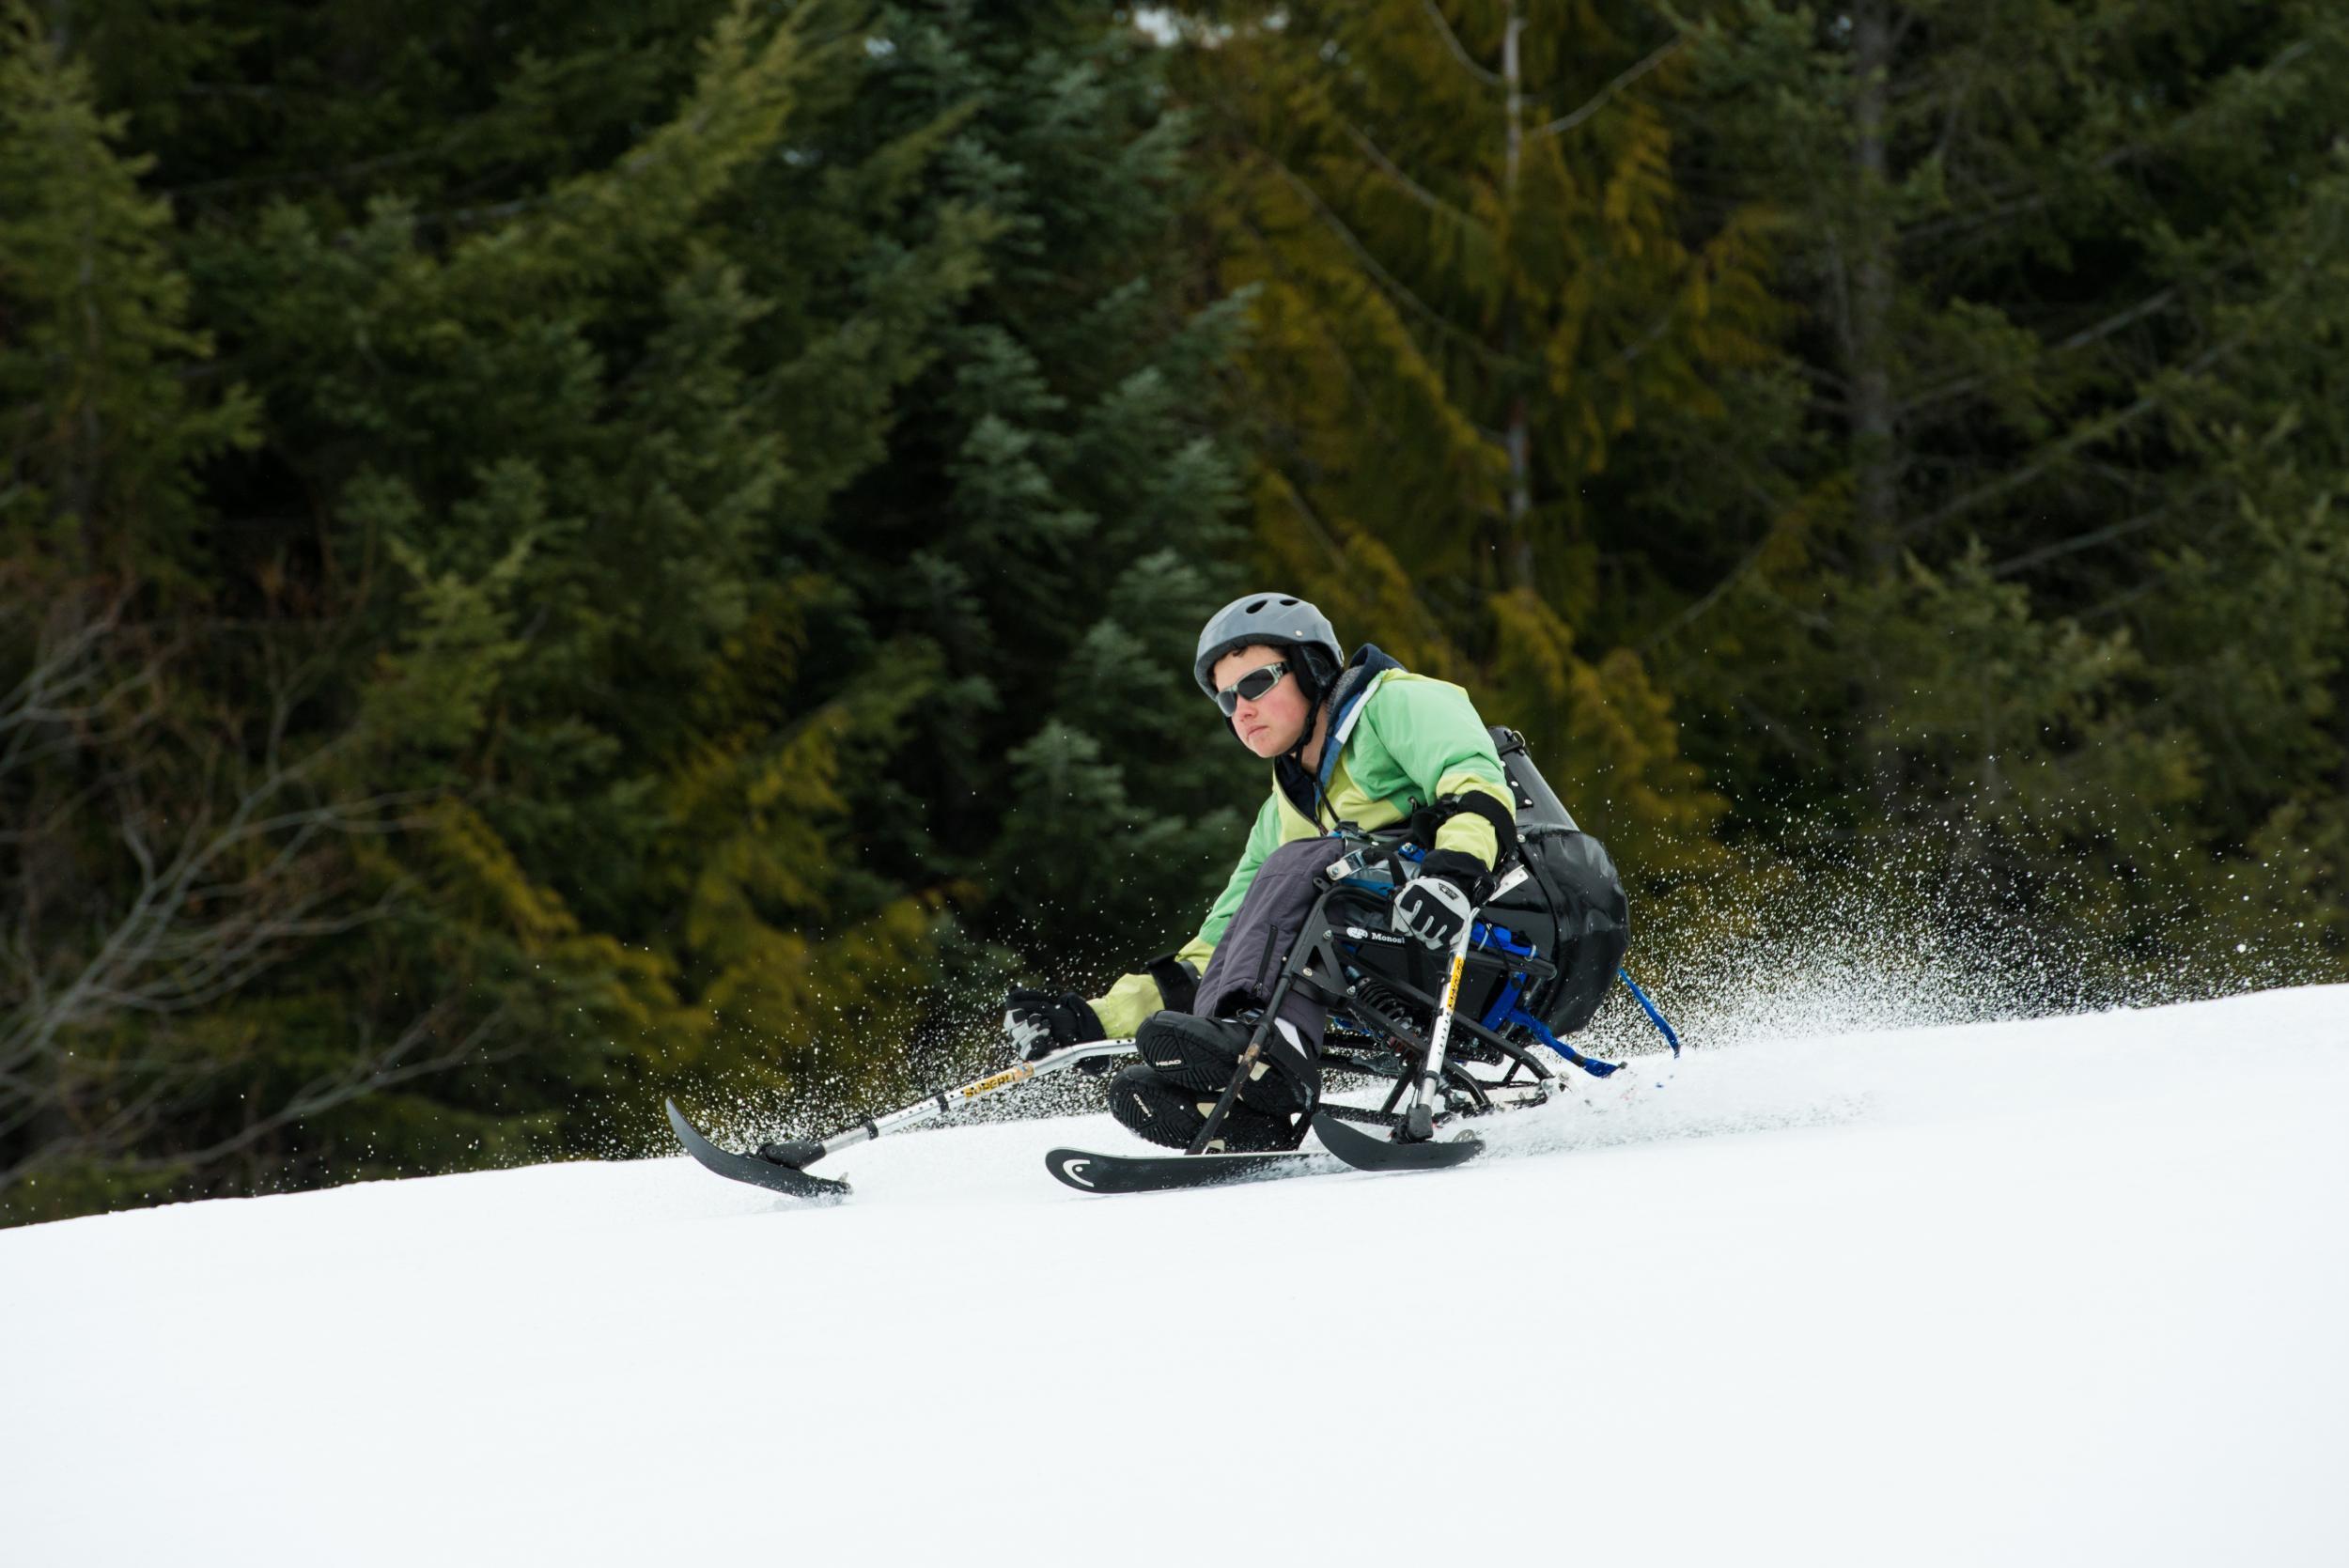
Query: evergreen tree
point(1050, 523)
point(576, 430)
point(102, 430)
point(144, 860)
point(2052, 262)
point(1475, 285)
point(727, 498)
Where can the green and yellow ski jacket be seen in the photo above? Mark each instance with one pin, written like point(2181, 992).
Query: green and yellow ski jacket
point(1396, 741)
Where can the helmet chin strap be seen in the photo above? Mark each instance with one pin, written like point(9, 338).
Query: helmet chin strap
point(1304, 738)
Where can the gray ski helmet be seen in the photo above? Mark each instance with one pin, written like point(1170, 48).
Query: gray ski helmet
point(1275, 619)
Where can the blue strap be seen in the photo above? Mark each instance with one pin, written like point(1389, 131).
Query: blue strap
point(1341, 731)
point(1591, 1065)
point(1649, 1008)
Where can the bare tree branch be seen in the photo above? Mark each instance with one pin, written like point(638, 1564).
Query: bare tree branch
point(2103, 536)
point(1419, 193)
point(160, 955)
point(1567, 121)
point(213, 885)
point(1959, 386)
point(50, 711)
point(368, 1072)
point(2089, 432)
point(1388, 283)
point(1459, 50)
point(2015, 202)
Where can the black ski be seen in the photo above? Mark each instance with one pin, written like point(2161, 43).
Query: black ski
point(1088, 1171)
point(1364, 1152)
point(750, 1168)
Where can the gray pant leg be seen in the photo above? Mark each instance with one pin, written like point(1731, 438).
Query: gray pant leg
point(1246, 964)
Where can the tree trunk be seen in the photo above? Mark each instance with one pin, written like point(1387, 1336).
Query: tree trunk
point(1516, 439)
point(1875, 468)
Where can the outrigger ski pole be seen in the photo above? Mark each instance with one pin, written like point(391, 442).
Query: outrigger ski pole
point(783, 1167)
point(1419, 1122)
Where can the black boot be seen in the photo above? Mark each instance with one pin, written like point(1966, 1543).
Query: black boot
point(1200, 1054)
point(1165, 1112)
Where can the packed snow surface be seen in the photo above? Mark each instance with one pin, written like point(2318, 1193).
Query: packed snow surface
point(2065, 1291)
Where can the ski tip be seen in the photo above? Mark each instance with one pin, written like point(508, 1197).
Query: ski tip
point(784, 1179)
point(1058, 1162)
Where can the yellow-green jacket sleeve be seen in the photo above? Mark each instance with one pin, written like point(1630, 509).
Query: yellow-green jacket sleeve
point(1135, 996)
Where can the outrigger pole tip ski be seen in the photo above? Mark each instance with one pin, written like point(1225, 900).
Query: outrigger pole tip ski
point(783, 1167)
point(772, 1175)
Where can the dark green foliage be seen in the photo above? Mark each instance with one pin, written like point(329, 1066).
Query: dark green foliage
point(1475, 284)
point(2038, 575)
point(1938, 399)
point(1052, 526)
point(686, 453)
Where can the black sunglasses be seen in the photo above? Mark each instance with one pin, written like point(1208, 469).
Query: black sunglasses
point(1251, 686)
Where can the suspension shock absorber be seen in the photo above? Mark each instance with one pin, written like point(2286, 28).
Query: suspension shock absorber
point(1374, 990)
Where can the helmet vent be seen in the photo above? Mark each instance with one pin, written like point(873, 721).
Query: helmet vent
point(1258, 605)
point(1286, 602)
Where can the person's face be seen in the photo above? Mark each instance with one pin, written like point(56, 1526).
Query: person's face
point(1273, 722)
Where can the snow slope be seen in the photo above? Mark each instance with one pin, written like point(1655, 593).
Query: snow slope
point(2068, 1291)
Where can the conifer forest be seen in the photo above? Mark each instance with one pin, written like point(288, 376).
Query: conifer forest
point(552, 555)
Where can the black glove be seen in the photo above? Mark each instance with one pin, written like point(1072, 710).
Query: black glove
point(1436, 905)
point(1040, 1022)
